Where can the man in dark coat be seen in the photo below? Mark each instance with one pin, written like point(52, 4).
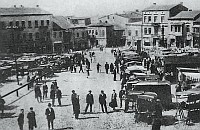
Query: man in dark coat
point(114, 100)
point(89, 101)
point(102, 101)
point(59, 95)
point(106, 67)
point(75, 103)
point(50, 114)
point(20, 119)
point(2, 103)
point(45, 90)
point(98, 68)
point(114, 74)
point(31, 119)
point(111, 67)
point(52, 96)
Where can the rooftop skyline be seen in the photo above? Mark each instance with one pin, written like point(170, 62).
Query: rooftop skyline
point(94, 7)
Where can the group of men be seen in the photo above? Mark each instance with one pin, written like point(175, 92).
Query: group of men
point(31, 116)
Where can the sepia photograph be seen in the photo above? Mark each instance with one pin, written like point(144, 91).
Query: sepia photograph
point(100, 64)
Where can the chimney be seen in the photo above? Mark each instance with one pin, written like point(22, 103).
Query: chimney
point(37, 6)
point(181, 3)
point(137, 10)
point(21, 6)
point(154, 3)
point(15, 6)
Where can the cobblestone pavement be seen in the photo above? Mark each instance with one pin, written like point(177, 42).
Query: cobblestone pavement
point(81, 84)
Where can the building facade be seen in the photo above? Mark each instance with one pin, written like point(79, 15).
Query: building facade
point(79, 37)
point(196, 33)
point(181, 29)
point(25, 30)
point(155, 23)
point(101, 34)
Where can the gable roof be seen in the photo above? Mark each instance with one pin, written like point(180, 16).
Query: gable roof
point(22, 11)
point(192, 15)
point(160, 7)
point(62, 22)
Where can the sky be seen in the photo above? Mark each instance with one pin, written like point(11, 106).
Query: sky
point(94, 7)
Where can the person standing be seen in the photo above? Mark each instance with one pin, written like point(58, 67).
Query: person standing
point(20, 119)
point(89, 101)
point(81, 68)
point(111, 67)
point(52, 96)
point(114, 100)
point(121, 93)
point(114, 74)
point(98, 68)
point(158, 109)
point(102, 101)
point(50, 114)
point(31, 119)
point(45, 90)
point(59, 95)
point(88, 71)
point(106, 67)
point(75, 103)
point(2, 103)
point(38, 93)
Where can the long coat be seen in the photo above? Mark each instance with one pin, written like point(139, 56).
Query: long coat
point(59, 93)
point(89, 99)
point(75, 103)
point(50, 114)
point(52, 94)
point(114, 99)
point(31, 119)
point(102, 98)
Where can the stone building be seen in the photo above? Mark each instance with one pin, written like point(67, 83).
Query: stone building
point(24, 29)
point(181, 28)
point(155, 23)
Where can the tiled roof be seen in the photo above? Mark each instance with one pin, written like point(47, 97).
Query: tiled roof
point(186, 15)
point(62, 22)
point(100, 25)
point(22, 11)
point(198, 20)
point(159, 7)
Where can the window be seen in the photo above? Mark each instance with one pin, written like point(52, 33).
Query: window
point(149, 30)
point(162, 19)
point(145, 19)
point(24, 36)
point(136, 32)
point(108, 17)
point(10, 23)
point(92, 31)
point(23, 24)
point(30, 35)
point(188, 28)
point(17, 23)
point(171, 28)
point(129, 32)
point(155, 19)
point(2, 25)
point(113, 17)
point(48, 34)
point(36, 23)
point(60, 34)
point(37, 35)
point(42, 22)
point(96, 32)
point(47, 22)
point(145, 31)
point(83, 35)
point(178, 28)
point(54, 34)
point(29, 24)
point(103, 33)
point(77, 35)
point(100, 21)
point(106, 21)
point(149, 19)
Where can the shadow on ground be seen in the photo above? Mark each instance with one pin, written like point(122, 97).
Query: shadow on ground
point(8, 115)
point(67, 128)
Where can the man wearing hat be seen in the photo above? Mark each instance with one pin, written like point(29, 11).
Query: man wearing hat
point(102, 101)
point(75, 103)
point(50, 114)
point(59, 95)
point(89, 101)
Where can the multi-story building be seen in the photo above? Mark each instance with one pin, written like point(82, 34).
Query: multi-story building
point(134, 34)
point(61, 34)
point(79, 37)
point(25, 29)
point(101, 34)
point(119, 21)
point(196, 33)
point(155, 23)
point(181, 28)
